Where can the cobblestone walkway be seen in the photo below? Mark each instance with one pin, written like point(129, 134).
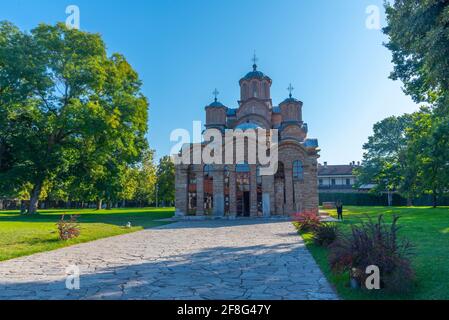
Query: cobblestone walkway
point(186, 260)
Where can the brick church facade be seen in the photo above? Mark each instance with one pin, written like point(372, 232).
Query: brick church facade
point(238, 189)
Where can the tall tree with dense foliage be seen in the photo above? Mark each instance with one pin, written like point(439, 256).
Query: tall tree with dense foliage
point(418, 32)
point(428, 152)
point(385, 158)
point(166, 180)
point(64, 101)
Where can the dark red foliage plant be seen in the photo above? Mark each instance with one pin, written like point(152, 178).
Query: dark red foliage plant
point(68, 229)
point(375, 243)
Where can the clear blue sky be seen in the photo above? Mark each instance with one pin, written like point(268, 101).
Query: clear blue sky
point(182, 50)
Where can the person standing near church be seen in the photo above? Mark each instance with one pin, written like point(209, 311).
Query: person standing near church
point(340, 210)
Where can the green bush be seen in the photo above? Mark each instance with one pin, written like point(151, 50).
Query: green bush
point(325, 234)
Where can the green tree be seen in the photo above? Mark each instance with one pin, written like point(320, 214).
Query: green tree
point(428, 152)
point(166, 180)
point(418, 32)
point(146, 177)
point(64, 101)
point(385, 158)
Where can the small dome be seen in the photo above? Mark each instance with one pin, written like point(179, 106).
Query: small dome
point(290, 100)
point(217, 104)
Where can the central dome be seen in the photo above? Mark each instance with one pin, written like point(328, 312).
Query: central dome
point(255, 75)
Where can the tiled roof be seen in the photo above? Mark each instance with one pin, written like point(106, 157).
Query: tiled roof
point(290, 100)
point(216, 104)
point(255, 75)
point(335, 170)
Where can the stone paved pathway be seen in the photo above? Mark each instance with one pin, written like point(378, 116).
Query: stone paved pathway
point(187, 260)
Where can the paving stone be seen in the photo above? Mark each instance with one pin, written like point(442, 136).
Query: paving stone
point(216, 259)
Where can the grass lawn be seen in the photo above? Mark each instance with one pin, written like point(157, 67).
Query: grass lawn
point(25, 235)
point(426, 228)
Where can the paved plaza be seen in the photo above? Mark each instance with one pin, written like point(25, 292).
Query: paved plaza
point(220, 259)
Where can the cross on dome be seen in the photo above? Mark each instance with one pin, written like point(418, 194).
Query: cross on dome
point(290, 89)
point(255, 60)
point(216, 93)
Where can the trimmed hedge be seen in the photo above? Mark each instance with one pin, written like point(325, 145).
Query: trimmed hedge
point(367, 199)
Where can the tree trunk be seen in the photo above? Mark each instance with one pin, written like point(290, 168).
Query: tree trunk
point(434, 199)
point(390, 199)
point(23, 208)
point(99, 204)
point(409, 202)
point(108, 205)
point(34, 199)
point(1, 204)
point(123, 203)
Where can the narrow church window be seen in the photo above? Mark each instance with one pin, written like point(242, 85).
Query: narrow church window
point(244, 91)
point(298, 170)
point(267, 90)
point(255, 93)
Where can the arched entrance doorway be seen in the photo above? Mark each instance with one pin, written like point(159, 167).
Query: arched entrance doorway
point(243, 173)
point(208, 190)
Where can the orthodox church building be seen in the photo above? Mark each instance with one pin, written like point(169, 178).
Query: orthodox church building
point(238, 189)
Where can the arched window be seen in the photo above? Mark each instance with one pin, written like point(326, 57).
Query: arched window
point(254, 89)
point(244, 91)
point(298, 170)
point(267, 90)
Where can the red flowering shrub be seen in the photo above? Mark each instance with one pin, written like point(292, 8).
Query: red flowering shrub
point(306, 221)
point(68, 229)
